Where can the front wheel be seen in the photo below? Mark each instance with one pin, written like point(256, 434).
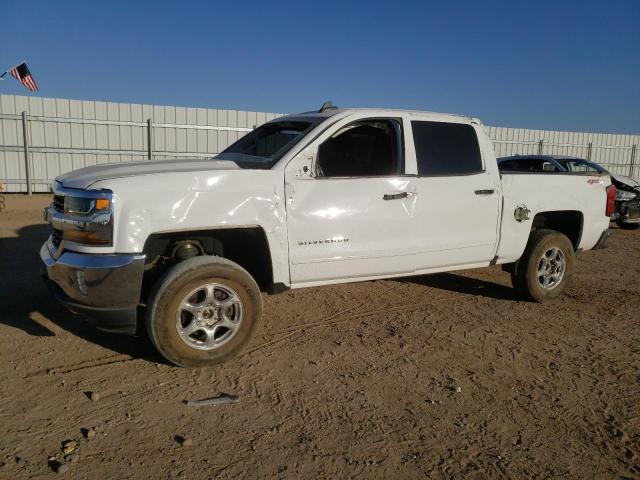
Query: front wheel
point(546, 266)
point(203, 311)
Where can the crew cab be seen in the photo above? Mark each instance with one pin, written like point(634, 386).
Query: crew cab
point(305, 200)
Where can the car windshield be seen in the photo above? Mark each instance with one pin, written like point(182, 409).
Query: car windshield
point(577, 165)
point(267, 144)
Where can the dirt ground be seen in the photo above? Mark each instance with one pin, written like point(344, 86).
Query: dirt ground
point(442, 376)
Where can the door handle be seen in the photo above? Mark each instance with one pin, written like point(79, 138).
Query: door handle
point(485, 192)
point(395, 196)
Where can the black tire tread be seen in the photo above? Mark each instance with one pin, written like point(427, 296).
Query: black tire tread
point(172, 276)
point(520, 276)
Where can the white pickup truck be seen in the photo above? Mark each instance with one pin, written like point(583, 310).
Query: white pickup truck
point(316, 198)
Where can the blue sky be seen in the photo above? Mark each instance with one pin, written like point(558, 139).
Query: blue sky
point(534, 64)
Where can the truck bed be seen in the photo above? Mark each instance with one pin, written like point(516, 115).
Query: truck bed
point(582, 193)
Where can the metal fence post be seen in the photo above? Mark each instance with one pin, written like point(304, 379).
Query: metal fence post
point(149, 139)
point(589, 147)
point(633, 159)
point(540, 145)
point(25, 140)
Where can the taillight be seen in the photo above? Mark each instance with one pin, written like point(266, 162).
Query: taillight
point(611, 200)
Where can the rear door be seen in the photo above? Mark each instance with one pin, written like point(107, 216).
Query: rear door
point(458, 194)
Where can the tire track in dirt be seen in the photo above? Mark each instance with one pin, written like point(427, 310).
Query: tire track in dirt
point(344, 381)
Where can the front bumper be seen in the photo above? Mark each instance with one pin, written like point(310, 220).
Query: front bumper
point(104, 288)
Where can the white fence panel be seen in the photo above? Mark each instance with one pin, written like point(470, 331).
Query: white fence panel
point(65, 135)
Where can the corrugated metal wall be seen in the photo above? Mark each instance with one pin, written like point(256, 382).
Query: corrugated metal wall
point(69, 134)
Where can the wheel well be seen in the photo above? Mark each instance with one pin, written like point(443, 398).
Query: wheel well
point(248, 247)
point(567, 222)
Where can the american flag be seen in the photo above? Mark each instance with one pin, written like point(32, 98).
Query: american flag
point(23, 75)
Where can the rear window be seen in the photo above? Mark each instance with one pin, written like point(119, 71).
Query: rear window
point(528, 165)
point(446, 148)
point(578, 165)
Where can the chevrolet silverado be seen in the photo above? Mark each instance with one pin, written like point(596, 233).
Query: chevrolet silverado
point(184, 248)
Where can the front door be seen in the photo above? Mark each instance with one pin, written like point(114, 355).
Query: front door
point(351, 219)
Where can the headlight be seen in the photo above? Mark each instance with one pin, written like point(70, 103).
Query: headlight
point(85, 206)
point(623, 196)
point(83, 217)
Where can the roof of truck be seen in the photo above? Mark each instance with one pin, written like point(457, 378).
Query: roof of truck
point(330, 112)
point(533, 156)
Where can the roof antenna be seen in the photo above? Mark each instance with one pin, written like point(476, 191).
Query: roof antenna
point(327, 106)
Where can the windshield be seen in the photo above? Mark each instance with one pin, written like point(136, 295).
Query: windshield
point(267, 144)
point(577, 165)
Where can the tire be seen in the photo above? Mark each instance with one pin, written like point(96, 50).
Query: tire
point(526, 278)
point(627, 226)
point(203, 311)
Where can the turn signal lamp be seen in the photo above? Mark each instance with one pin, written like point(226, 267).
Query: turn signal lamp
point(102, 204)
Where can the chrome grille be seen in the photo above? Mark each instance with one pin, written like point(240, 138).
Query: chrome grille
point(58, 203)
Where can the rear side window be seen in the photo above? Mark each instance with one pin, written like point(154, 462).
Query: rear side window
point(446, 148)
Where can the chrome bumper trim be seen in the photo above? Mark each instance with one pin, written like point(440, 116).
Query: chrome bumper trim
point(94, 280)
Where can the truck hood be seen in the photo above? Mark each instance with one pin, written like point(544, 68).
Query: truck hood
point(85, 177)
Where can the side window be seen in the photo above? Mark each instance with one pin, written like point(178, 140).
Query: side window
point(446, 148)
point(363, 149)
point(508, 165)
point(536, 165)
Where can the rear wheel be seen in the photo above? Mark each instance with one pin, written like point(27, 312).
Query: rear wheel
point(546, 266)
point(203, 311)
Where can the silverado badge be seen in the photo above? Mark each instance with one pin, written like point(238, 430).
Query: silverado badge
point(323, 241)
